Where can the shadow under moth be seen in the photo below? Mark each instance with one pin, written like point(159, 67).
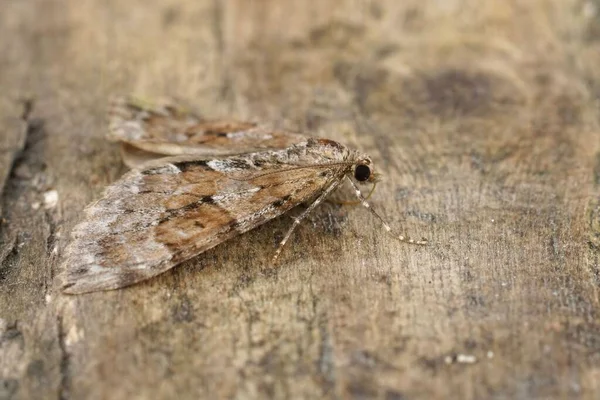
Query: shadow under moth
point(193, 184)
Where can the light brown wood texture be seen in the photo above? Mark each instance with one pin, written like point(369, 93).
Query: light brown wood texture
point(483, 118)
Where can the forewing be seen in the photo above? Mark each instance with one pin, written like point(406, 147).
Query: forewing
point(150, 130)
point(153, 219)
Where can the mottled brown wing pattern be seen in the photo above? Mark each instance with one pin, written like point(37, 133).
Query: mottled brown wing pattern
point(154, 218)
point(150, 130)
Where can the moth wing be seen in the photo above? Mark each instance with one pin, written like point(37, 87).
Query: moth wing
point(153, 219)
point(151, 130)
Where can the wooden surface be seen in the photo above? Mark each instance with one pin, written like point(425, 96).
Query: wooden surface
point(484, 118)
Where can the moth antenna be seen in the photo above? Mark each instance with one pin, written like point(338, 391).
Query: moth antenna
point(299, 218)
point(364, 202)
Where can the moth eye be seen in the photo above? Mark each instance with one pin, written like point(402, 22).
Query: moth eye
point(362, 173)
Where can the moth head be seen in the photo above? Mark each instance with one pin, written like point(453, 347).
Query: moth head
point(363, 172)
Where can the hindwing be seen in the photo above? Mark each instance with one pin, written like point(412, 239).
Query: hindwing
point(151, 130)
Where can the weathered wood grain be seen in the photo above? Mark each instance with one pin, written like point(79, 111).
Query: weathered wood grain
point(484, 118)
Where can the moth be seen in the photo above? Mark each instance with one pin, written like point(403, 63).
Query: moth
point(195, 183)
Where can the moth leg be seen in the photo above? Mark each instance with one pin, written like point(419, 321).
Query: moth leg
point(388, 229)
point(304, 214)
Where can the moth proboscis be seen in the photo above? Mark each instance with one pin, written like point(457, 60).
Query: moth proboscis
point(194, 184)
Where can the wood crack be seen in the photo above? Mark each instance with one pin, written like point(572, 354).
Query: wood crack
point(64, 388)
point(15, 153)
point(19, 153)
point(10, 241)
point(8, 259)
point(22, 191)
